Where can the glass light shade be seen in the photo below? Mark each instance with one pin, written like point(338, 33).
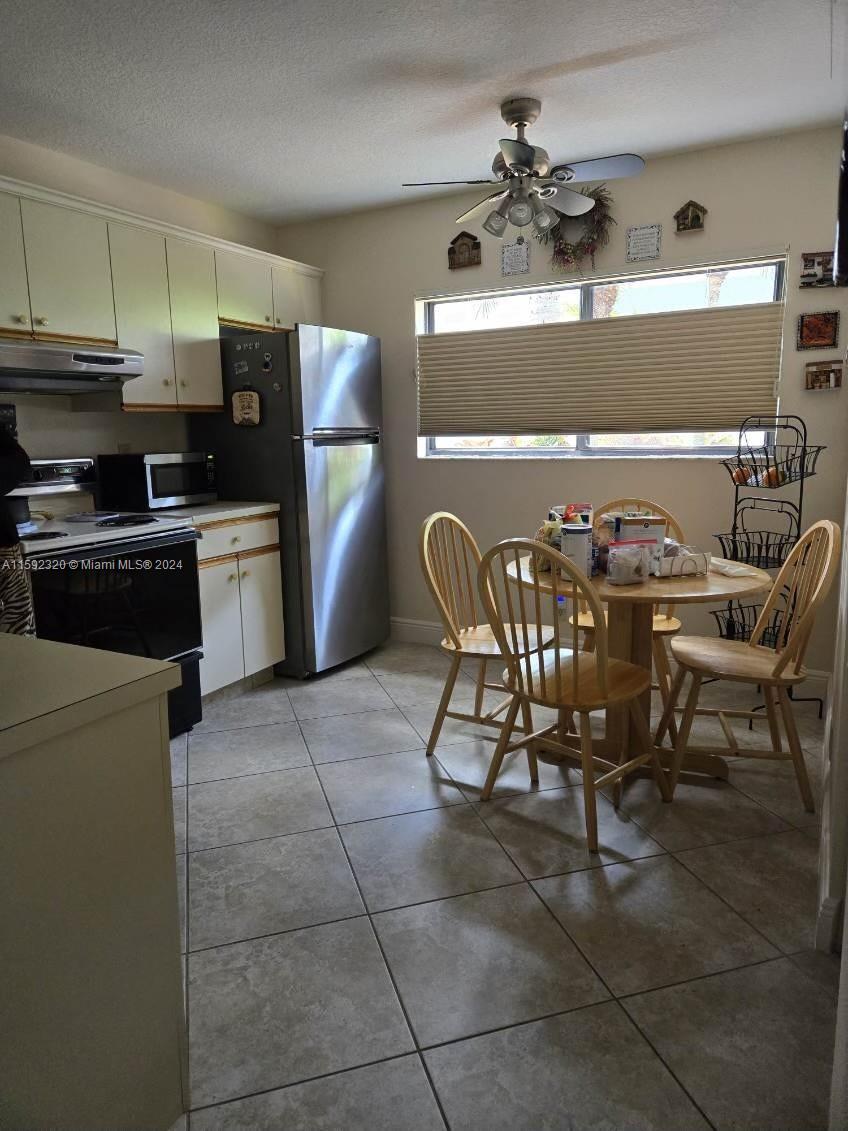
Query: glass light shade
point(520, 212)
point(544, 218)
point(495, 222)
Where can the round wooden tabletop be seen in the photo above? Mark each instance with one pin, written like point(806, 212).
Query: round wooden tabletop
point(710, 587)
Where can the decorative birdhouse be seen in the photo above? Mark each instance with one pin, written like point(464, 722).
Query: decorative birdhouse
point(464, 251)
point(690, 218)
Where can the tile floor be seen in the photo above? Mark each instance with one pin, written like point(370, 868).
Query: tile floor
point(370, 948)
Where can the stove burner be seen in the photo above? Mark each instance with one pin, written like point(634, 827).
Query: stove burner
point(126, 520)
point(41, 535)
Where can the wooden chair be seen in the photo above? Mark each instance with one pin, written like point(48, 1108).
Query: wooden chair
point(560, 676)
point(773, 658)
point(666, 623)
point(449, 561)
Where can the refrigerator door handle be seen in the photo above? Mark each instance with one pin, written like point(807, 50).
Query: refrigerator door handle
point(323, 437)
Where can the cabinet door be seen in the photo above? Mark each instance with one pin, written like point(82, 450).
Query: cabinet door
point(244, 289)
point(220, 613)
point(194, 322)
point(70, 279)
point(14, 292)
point(143, 312)
point(297, 298)
point(261, 609)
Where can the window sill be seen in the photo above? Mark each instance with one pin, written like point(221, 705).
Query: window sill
point(592, 457)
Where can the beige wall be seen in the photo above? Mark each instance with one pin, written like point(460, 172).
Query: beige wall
point(62, 173)
point(45, 425)
point(763, 196)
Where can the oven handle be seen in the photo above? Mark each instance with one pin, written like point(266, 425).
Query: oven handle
point(137, 546)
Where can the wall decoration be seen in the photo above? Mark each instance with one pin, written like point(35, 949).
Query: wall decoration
point(819, 331)
point(823, 374)
point(690, 217)
point(247, 407)
point(816, 269)
point(464, 251)
point(643, 242)
point(592, 232)
point(515, 257)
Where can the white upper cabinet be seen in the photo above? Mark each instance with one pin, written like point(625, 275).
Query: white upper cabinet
point(194, 322)
point(70, 278)
point(143, 312)
point(244, 289)
point(14, 292)
point(297, 297)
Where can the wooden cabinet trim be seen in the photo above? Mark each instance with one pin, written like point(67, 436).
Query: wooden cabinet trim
point(220, 523)
point(258, 552)
point(205, 563)
point(264, 327)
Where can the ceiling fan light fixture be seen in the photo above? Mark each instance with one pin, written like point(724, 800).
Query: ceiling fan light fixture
point(544, 218)
point(495, 223)
point(520, 211)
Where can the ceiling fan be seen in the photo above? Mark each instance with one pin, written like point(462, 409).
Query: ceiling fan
point(533, 190)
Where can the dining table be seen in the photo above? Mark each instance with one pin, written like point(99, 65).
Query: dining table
point(630, 617)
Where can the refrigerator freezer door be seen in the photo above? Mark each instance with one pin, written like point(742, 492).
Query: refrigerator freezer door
point(343, 547)
point(335, 380)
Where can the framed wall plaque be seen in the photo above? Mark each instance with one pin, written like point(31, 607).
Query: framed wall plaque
point(644, 242)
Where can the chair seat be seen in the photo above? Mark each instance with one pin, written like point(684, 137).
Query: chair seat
point(663, 625)
point(732, 659)
point(480, 641)
point(624, 681)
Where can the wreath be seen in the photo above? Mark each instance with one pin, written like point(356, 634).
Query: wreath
point(568, 255)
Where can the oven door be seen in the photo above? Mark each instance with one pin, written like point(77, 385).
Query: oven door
point(139, 596)
point(180, 479)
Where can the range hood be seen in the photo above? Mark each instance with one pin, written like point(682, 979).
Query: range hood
point(61, 367)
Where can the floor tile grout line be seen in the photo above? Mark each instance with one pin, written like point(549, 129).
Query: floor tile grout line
point(389, 972)
point(665, 1064)
point(608, 988)
point(726, 902)
point(298, 1083)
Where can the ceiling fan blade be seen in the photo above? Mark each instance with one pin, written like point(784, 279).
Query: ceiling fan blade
point(422, 184)
point(599, 168)
point(481, 204)
point(566, 200)
point(518, 154)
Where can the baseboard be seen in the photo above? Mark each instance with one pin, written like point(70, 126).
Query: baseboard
point(408, 631)
point(829, 925)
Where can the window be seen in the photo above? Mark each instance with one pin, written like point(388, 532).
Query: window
point(725, 285)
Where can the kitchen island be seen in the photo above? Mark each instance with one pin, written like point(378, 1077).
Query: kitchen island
point(92, 1030)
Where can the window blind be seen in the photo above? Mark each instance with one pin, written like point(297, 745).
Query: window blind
point(691, 370)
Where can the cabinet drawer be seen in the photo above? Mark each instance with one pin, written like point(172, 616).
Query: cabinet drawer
point(236, 537)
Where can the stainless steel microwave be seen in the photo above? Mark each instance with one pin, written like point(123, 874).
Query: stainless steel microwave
point(138, 481)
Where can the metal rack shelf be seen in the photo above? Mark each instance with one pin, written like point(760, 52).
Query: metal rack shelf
point(771, 453)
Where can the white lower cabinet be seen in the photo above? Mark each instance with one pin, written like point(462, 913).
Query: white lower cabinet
point(260, 588)
point(241, 605)
point(220, 610)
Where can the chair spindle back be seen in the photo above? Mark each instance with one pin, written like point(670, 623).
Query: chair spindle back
point(799, 589)
point(449, 560)
point(522, 610)
point(673, 527)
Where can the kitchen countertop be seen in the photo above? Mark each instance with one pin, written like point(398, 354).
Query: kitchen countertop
point(50, 689)
point(218, 512)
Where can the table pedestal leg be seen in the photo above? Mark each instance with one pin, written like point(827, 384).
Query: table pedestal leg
point(630, 637)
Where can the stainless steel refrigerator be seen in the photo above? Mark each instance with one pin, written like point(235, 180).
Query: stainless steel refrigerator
point(317, 450)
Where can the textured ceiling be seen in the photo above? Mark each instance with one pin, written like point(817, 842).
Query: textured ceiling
point(297, 108)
